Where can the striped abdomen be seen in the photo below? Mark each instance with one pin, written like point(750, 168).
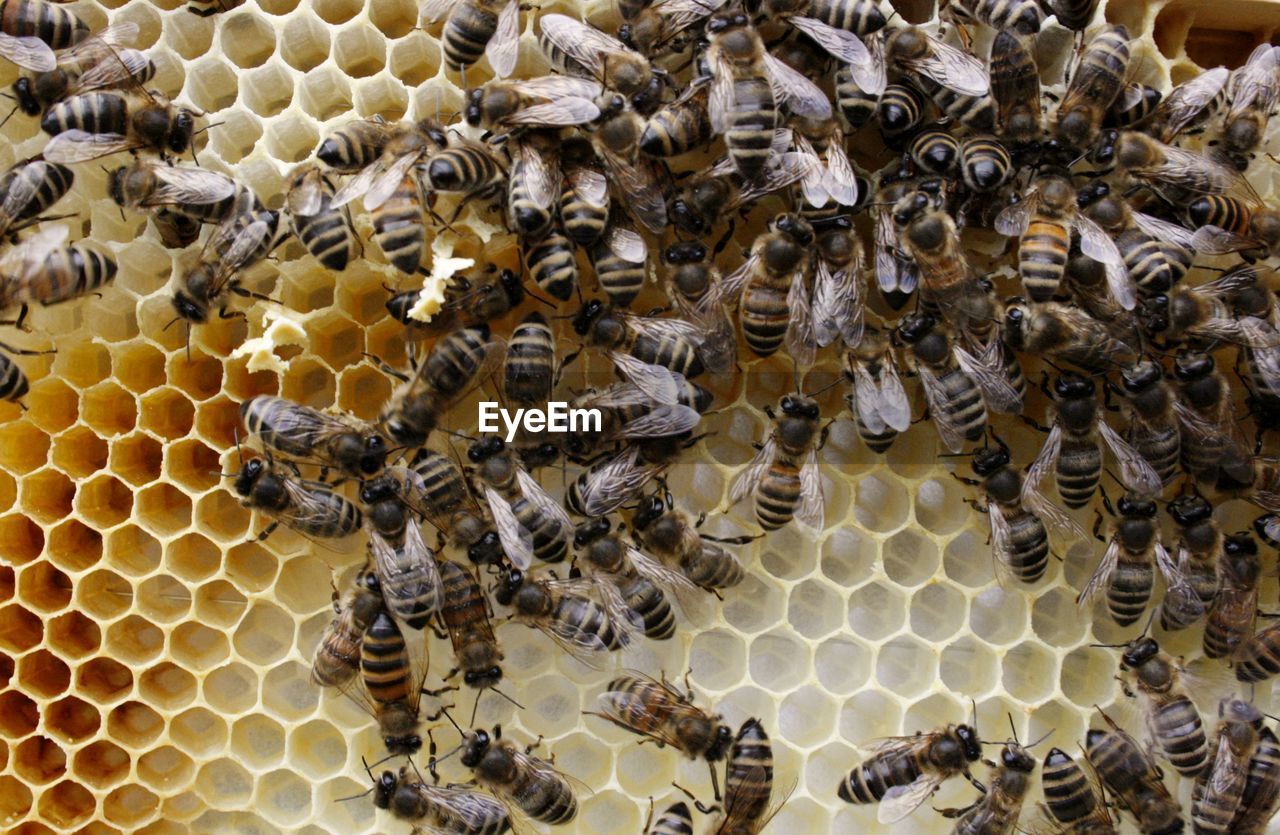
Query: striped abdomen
point(574, 617)
point(778, 493)
point(543, 795)
point(90, 112)
point(466, 34)
point(551, 263)
point(648, 601)
point(530, 368)
point(1042, 257)
point(548, 539)
point(398, 226)
point(748, 782)
point(620, 279)
point(54, 25)
point(1028, 544)
point(1177, 727)
point(1129, 591)
point(463, 604)
point(963, 403)
point(677, 354)
point(649, 708)
point(384, 661)
point(677, 128)
point(861, 17)
point(1261, 788)
point(869, 782)
point(1161, 448)
point(339, 518)
point(13, 383)
point(1079, 470)
point(328, 236)
point(877, 442)
point(49, 181)
point(1155, 266)
point(1068, 792)
point(676, 820)
point(713, 567)
point(1259, 658)
point(456, 360)
point(443, 488)
point(749, 125)
point(765, 316)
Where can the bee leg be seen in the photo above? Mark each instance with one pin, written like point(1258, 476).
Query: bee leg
point(954, 813)
point(1034, 424)
point(386, 369)
point(972, 482)
point(266, 532)
point(698, 804)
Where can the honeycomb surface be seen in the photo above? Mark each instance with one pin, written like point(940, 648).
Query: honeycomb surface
point(154, 666)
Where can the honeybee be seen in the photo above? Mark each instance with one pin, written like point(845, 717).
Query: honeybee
point(902, 772)
point(1188, 104)
point(681, 125)
point(584, 192)
point(985, 164)
point(551, 263)
point(465, 167)
point(1127, 568)
point(41, 270)
point(658, 27)
point(837, 284)
point(930, 239)
point(392, 682)
point(783, 478)
point(572, 44)
point(465, 614)
point(897, 274)
point(934, 151)
point(748, 86)
point(1153, 425)
point(836, 27)
point(748, 783)
point(409, 576)
point(671, 343)
point(234, 246)
point(1171, 716)
point(528, 783)
point(695, 288)
point(1064, 333)
point(1131, 775)
point(1156, 253)
point(914, 52)
point(641, 180)
point(533, 183)
point(529, 522)
point(457, 364)
point(606, 555)
point(620, 261)
point(719, 192)
point(1226, 224)
point(444, 808)
point(1095, 83)
point(1218, 791)
point(93, 63)
point(356, 145)
point(1258, 658)
point(1231, 615)
point(92, 125)
point(14, 384)
point(468, 302)
point(1073, 14)
point(302, 433)
point(774, 287)
point(1203, 315)
point(27, 189)
point(613, 481)
point(1072, 798)
point(1193, 577)
point(563, 611)
point(478, 27)
point(1022, 17)
point(668, 534)
point(998, 809)
point(530, 369)
point(1136, 104)
point(30, 30)
point(877, 399)
point(149, 184)
point(1252, 93)
point(1211, 439)
point(1073, 449)
point(1177, 174)
point(308, 507)
point(401, 148)
point(504, 107)
point(902, 108)
point(676, 819)
point(337, 656)
point(324, 229)
point(1262, 787)
point(445, 500)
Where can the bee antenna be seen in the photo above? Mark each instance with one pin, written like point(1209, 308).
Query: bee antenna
point(444, 711)
point(1042, 738)
point(1012, 728)
point(508, 698)
point(475, 709)
point(364, 793)
point(11, 112)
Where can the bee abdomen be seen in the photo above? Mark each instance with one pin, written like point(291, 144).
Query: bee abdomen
point(620, 279)
point(714, 572)
point(749, 125)
point(548, 540)
point(964, 404)
point(765, 316)
point(1079, 471)
point(877, 442)
point(1162, 450)
point(579, 616)
point(1129, 592)
point(1177, 727)
point(398, 227)
point(13, 383)
point(384, 661)
point(676, 354)
point(1067, 791)
point(89, 112)
point(466, 34)
point(648, 601)
point(1042, 259)
point(869, 782)
point(1028, 546)
point(52, 24)
point(777, 495)
point(1260, 657)
point(547, 798)
point(552, 265)
point(1154, 265)
point(328, 237)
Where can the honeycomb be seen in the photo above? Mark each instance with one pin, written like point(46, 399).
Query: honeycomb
point(154, 662)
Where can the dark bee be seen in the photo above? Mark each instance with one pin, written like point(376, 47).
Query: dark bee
point(234, 246)
point(465, 614)
point(1127, 770)
point(680, 126)
point(1189, 104)
point(877, 398)
point(670, 343)
point(1127, 568)
point(1156, 253)
point(913, 51)
point(1193, 577)
point(529, 784)
point(504, 107)
point(337, 656)
point(1176, 173)
point(94, 63)
point(324, 230)
point(308, 507)
point(467, 302)
point(563, 611)
point(1071, 797)
point(96, 124)
point(529, 522)
point(446, 808)
point(1022, 17)
point(903, 772)
point(695, 288)
point(407, 569)
point(1261, 792)
point(1134, 106)
point(584, 193)
point(29, 188)
point(620, 261)
point(530, 369)
point(1219, 790)
point(1095, 83)
point(774, 284)
point(901, 109)
point(30, 30)
point(1211, 439)
point(302, 433)
point(446, 501)
point(209, 8)
point(393, 684)
point(985, 164)
point(1073, 14)
point(998, 808)
point(748, 783)
point(551, 263)
point(476, 28)
point(783, 478)
point(41, 270)
point(1170, 714)
point(1231, 615)
point(1251, 91)
point(1153, 424)
point(1066, 334)
point(1226, 224)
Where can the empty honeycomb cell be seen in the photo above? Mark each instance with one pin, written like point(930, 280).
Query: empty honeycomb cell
point(43, 587)
point(104, 594)
point(336, 11)
point(231, 689)
point(247, 39)
point(164, 509)
point(361, 389)
point(251, 567)
point(778, 660)
point(136, 457)
point(324, 94)
point(394, 18)
point(165, 769)
point(52, 405)
point(23, 538)
point(18, 715)
point(381, 96)
point(217, 421)
point(806, 716)
point(937, 612)
point(134, 639)
point(15, 799)
point(813, 609)
point(167, 412)
point(606, 809)
point(139, 366)
point(359, 51)
point(102, 764)
point(108, 409)
point(222, 516)
point(842, 665)
point(415, 59)
point(292, 139)
point(755, 607)
point(936, 710)
point(8, 491)
point(967, 559)
point(44, 674)
point(242, 384)
point(104, 501)
point(72, 719)
point(258, 742)
point(134, 725)
point(73, 636)
point(876, 611)
point(192, 465)
point(1029, 672)
point(224, 782)
point(309, 382)
point(197, 646)
point(20, 629)
point(129, 806)
point(1088, 676)
point(219, 604)
point(998, 615)
point(869, 715)
point(304, 44)
point(317, 749)
point(39, 760)
point(46, 495)
point(910, 558)
point(906, 666)
point(192, 557)
point(237, 136)
point(79, 452)
point(1063, 722)
point(199, 375)
point(198, 732)
point(643, 770)
point(211, 86)
point(557, 703)
point(265, 634)
point(882, 503)
point(23, 447)
point(968, 666)
point(176, 809)
point(167, 685)
point(1056, 620)
point(133, 550)
point(939, 505)
point(163, 599)
point(848, 557)
point(104, 680)
point(268, 91)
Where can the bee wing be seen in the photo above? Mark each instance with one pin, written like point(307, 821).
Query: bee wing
point(864, 399)
point(303, 509)
point(842, 180)
point(388, 180)
point(247, 243)
point(560, 113)
point(1056, 521)
point(801, 95)
point(1001, 546)
point(306, 198)
point(990, 377)
point(436, 10)
point(627, 244)
point(540, 172)
point(591, 185)
point(783, 169)
point(1013, 220)
point(538, 497)
point(1135, 472)
point(582, 42)
point(1102, 574)
point(666, 328)
point(844, 46)
point(608, 485)
point(516, 541)
point(900, 801)
point(813, 185)
point(504, 47)
point(954, 69)
point(837, 304)
point(1098, 245)
point(18, 195)
point(29, 53)
point(667, 579)
point(937, 400)
point(552, 87)
point(113, 69)
point(184, 185)
point(801, 340)
point(1186, 101)
point(475, 811)
point(1214, 240)
point(733, 284)
point(895, 406)
point(1045, 461)
point(1254, 84)
point(661, 422)
point(720, 99)
point(1163, 230)
point(661, 384)
point(357, 186)
point(640, 182)
point(811, 509)
point(390, 566)
point(745, 482)
point(81, 146)
point(309, 427)
point(616, 706)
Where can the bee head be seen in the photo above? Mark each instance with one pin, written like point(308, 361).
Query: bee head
point(373, 454)
point(485, 550)
point(183, 128)
point(26, 98)
point(377, 490)
point(116, 183)
point(383, 790)
point(406, 744)
point(720, 744)
point(793, 405)
point(1141, 376)
point(475, 111)
point(969, 741)
point(1139, 652)
point(1240, 544)
point(915, 327)
point(511, 285)
point(590, 531)
point(480, 679)
point(188, 308)
point(474, 748)
point(1192, 365)
point(1015, 757)
point(685, 252)
point(645, 516)
point(508, 585)
point(1092, 193)
point(795, 226)
point(1133, 506)
point(989, 460)
point(587, 316)
point(1070, 386)
point(485, 448)
point(1190, 510)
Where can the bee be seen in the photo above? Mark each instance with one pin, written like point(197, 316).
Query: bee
point(1153, 425)
point(94, 63)
point(551, 263)
point(209, 8)
point(935, 152)
point(457, 364)
point(620, 261)
point(670, 343)
point(835, 26)
point(1095, 83)
point(1073, 449)
point(392, 684)
point(914, 52)
point(1262, 787)
point(1219, 790)
point(337, 656)
point(1175, 173)
point(1064, 333)
point(302, 433)
point(443, 497)
point(831, 177)
point(504, 107)
point(467, 302)
point(27, 189)
point(234, 246)
point(1189, 104)
point(743, 104)
point(1073, 14)
point(857, 106)
point(1071, 798)
point(897, 274)
point(325, 230)
point(14, 384)
point(41, 270)
point(901, 109)
point(584, 192)
point(572, 44)
point(877, 399)
point(524, 781)
point(308, 507)
point(1209, 430)
point(1193, 578)
point(695, 288)
point(30, 30)
point(668, 534)
point(659, 712)
point(676, 819)
point(530, 369)
point(1203, 315)
point(92, 125)
point(783, 478)
point(748, 783)
point(1258, 658)
point(444, 808)
point(613, 481)
point(681, 125)
point(985, 164)
point(1251, 91)
point(641, 180)
point(929, 237)
point(718, 192)
point(1156, 253)
point(903, 772)
point(958, 386)
point(1127, 568)
point(998, 809)
point(408, 573)
point(1130, 774)
point(978, 113)
point(774, 287)
point(1226, 224)
point(562, 610)
point(1135, 105)
point(522, 511)
point(1043, 221)
point(606, 555)
point(466, 168)
point(1171, 716)
point(465, 614)
point(195, 192)
point(660, 27)
point(177, 230)
point(355, 146)
point(1021, 17)
point(475, 28)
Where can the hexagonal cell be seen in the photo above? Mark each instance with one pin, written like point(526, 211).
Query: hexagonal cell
point(198, 732)
point(1029, 671)
point(8, 491)
point(104, 680)
point(297, 588)
point(104, 594)
point(267, 91)
point(415, 59)
point(882, 503)
point(247, 40)
point(134, 639)
point(305, 43)
point(211, 85)
point(168, 413)
point(72, 719)
point(73, 636)
point(324, 94)
point(134, 725)
point(777, 660)
point(20, 629)
point(44, 588)
point(292, 137)
point(814, 609)
point(265, 634)
point(849, 556)
point(906, 666)
point(251, 567)
point(15, 799)
point(876, 611)
point(967, 559)
point(237, 136)
point(806, 716)
point(163, 599)
point(1056, 619)
point(165, 769)
point(192, 465)
point(73, 546)
point(217, 421)
point(381, 96)
point(52, 405)
point(139, 366)
point(1088, 676)
point(78, 452)
point(910, 558)
point(129, 806)
point(868, 716)
point(164, 509)
point(167, 685)
point(23, 447)
point(753, 606)
point(937, 612)
point(47, 495)
point(310, 383)
point(360, 389)
point(136, 458)
point(133, 550)
point(104, 501)
point(317, 749)
point(231, 689)
point(23, 538)
point(224, 782)
point(43, 673)
point(39, 760)
point(999, 615)
point(108, 409)
point(219, 604)
point(18, 714)
point(102, 764)
point(258, 742)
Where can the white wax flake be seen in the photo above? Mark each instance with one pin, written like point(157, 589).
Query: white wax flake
point(279, 328)
point(443, 264)
point(430, 298)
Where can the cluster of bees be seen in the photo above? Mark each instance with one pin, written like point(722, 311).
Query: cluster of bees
point(1004, 223)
